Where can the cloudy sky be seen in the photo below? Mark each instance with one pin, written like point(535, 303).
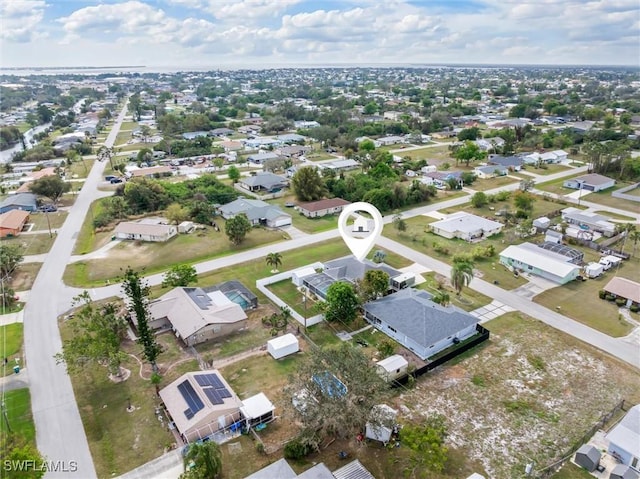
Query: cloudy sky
point(245, 33)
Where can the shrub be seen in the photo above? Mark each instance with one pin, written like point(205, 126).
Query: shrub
point(386, 348)
point(621, 301)
point(297, 448)
point(478, 380)
point(259, 447)
point(522, 214)
point(440, 248)
point(503, 195)
point(601, 294)
point(610, 297)
point(536, 361)
point(634, 308)
point(102, 219)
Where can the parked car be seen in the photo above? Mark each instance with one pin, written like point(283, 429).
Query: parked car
point(115, 180)
point(109, 177)
point(48, 208)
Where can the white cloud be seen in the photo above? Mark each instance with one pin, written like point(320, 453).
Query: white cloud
point(20, 20)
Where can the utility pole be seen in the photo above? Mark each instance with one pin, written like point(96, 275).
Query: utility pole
point(6, 416)
point(46, 214)
point(304, 300)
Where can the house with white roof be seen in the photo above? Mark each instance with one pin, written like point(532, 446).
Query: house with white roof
point(466, 226)
point(588, 221)
point(529, 258)
point(624, 439)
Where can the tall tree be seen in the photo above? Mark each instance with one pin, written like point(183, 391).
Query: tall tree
point(52, 186)
point(10, 257)
point(468, 152)
point(319, 401)
point(461, 274)
point(202, 461)
point(274, 260)
point(180, 275)
point(98, 332)
point(237, 228)
point(137, 293)
point(426, 443)
point(234, 173)
point(523, 201)
point(307, 184)
point(15, 449)
point(342, 302)
point(374, 285)
point(176, 213)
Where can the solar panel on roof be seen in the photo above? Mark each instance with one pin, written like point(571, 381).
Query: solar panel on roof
point(202, 379)
point(188, 413)
point(190, 397)
point(224, 393)
point(209, 380)
point(213, 396)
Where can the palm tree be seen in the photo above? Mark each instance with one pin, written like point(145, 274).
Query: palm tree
point(203, 460)
point(274, 260)
point(442, 298)
point(461, 274)
point(635, 237)
point(156, 379)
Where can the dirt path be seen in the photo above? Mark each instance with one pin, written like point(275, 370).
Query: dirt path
point(220, 363)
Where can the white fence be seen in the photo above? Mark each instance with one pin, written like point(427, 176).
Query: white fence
point(621, 193)
point(262, 284)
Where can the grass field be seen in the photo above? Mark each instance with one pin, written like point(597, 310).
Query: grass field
point(616, 216)
point(579, 300)
point(32, 244)
point(17, 405)
point(155, 257)
point(80, 169)
point(468, 299)
point(418, 237)
point(22, 279)
point(490, 183)
point(601, 197)
point(39, 220)
point(548, 170)
point(10, 345)
point(435, 155)
point(88, 239)
point(308, 225)
point(571, 471)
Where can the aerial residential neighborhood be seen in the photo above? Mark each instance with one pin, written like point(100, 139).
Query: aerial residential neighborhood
point(182, 294)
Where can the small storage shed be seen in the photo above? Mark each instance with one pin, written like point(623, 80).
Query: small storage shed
point(593, 270)
point(298, 275)
point(382, 423)
point(588, 457)
point(186, 227)
point(257, 410)
point(392, 367)
point(542, 223)
point(283, 346)
point(623, 472)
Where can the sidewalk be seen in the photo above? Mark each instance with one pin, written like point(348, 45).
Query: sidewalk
point(15, 381)
point(99, 253)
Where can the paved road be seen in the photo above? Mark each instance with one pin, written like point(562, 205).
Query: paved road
point(60, 435)
point(627, 349)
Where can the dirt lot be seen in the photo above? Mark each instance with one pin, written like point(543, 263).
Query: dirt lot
point(529, 392)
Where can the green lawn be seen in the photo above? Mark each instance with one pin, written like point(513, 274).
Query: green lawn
point(548, 170)
point(616, 216)
point(288, 292)
point(80, 169)
point(156, 257)
point(579, 300)
point(468, 300)
point(308, 225)
point(18, 409)
point(259, 374)
point(10, 345)
point(418, 237)
point(39, 220)
point(31, 244)
point(434, 155)
point(601, 197)
point(490, 183)
point(571, 471)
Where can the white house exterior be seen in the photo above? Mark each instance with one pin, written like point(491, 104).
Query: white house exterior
point(529, 258)
point(422, 326)
point(490, 171)
point(591, 182)
point(589, 221)
point(158, 233)
point(624, 439)
point(466, 226)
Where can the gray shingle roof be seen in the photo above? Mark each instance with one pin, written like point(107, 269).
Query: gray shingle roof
point(254, 209)
point(19, 199)
point(351, 269)
point(264, 180)
point(412, 313)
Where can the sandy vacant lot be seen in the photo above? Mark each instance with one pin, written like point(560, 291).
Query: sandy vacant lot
point(527, 395)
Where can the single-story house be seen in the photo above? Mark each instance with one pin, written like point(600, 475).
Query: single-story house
point(263, 181)
point(261, 142)
point(490, 171)
point(260, 158)
point(440, 179)
point(25, 187)
point(249, 129)
point(192, 135)
point(230, 145)
point(589, 221)
point(141, 231)
point(19, 201)
point(195, 315)
point(282, 470)
point(353, 470)
point(624, 438)
point(341, 165)
point(529, 258)
point(279, 469)
point(201, 404)
point(12, 222)
point(466, 226)
point(315, 209)
point(392, 367)
point(591, 182)
point(624, 288)
point(292, 151)
point(511, 162)
point(342, 269)
point(291, 138)
point(488, 144)
point(151, 172)
point(304, 124)
point(258, 212)
point(221, 132)
point(389, 140)
point(422, 326)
